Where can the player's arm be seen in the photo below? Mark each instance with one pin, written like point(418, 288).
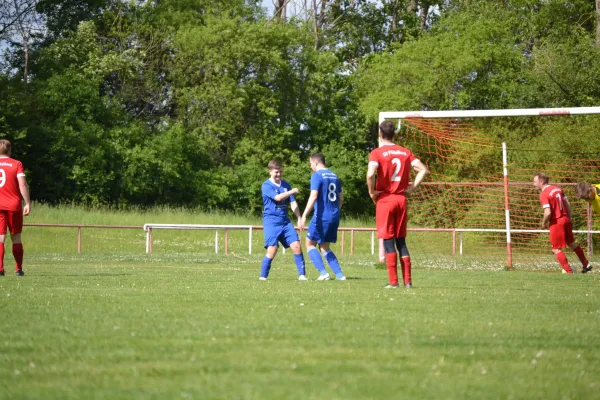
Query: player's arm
point(296, 210)
point(312, 199)
point(546, 219)
point(341, 200)
point(285, 195)
point(371, 180)
point(422, 171)
point(24, 189)
point(567, 206)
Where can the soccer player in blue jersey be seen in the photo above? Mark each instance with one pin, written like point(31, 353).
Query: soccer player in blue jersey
point(326, 197)
point(277, 194)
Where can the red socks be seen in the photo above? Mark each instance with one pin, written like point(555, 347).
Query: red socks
point(562, 260)
point(392, 267)
point(17, 250)
point(1, 256)
point(581, 256)
point(406, 268)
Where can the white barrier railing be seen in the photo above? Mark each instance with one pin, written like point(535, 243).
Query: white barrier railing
point(149, 227)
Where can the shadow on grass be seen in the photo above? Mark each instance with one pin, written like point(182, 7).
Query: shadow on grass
point(82, 274)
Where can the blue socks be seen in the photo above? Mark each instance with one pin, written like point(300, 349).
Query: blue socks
point(265, 267)
point(315, 257)
point(299, 260)
point(333, 263)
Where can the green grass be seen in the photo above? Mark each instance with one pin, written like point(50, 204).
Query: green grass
point(184, 323)
point(166, 327)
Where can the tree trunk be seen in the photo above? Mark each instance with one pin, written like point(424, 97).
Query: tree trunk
point(425, 13)
point(26, 59)
point(280, 10)
point(597, 23)
point(315, 24)
point(413, 6)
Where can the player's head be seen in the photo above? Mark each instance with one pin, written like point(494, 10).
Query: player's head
point(584, 191)
point(387, 130)
point(275, 170)
point(317, 160)
point(540, 180)
point(5, 147)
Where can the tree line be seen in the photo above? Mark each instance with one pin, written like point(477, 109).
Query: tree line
point(183, 102)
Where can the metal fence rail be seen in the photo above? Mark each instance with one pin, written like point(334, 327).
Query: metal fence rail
point(456, 233)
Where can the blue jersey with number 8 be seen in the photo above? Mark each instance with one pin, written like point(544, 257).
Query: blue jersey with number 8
point(327, 206)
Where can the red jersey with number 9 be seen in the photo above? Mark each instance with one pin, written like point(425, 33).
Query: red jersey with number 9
point(554, 198)
point(10, 194)
point(393, 168)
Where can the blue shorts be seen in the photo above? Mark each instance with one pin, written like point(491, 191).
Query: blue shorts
point(286, 234)
point(323, 231)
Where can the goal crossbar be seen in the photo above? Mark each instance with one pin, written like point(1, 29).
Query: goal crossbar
point(520, 112)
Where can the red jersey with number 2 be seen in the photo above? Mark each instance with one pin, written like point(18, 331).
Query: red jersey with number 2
point(554, 198)
point(393, 168)
point(10, 194)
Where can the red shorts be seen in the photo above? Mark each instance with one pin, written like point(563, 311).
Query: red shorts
point(561, 233)
point(391, 216)
point(11, 219)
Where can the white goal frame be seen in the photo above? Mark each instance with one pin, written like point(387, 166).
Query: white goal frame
point(400, 115)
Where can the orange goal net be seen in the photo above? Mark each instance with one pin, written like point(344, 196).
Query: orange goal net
point(478, 207)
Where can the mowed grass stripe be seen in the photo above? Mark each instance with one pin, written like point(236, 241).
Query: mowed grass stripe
point(165, 329)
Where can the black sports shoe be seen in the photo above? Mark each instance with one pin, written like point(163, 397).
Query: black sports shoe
point(1, 273)
point(19, 272)
point(587, 269)
point(390, 286)
point(408, 286)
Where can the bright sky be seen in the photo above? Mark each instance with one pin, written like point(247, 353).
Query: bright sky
point(268, 4)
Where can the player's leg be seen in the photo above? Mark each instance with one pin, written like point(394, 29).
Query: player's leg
point(330, 236)
point(400, 235)
point(570, 239)
point(15, 225)
point(299, 260)
point(290, 236)
point(270, 233)
point(385, 220)
point(562, 260)
point(3, 226)
point(332, 261)
point(404, 262)
point(313, 236)
point(2, 238)
point(557, 239)
point(585, 263)
point(265, 266)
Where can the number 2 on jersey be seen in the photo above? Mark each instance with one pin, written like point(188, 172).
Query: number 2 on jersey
point(398, 164)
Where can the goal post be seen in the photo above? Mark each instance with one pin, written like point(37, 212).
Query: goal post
point(482, 164)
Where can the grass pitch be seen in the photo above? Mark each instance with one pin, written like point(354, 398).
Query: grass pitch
point(184, 323)
point(169, 326)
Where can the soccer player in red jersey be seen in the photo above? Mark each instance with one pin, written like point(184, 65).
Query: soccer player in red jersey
point(557, 215)
point(13, 185)
point(388, 178)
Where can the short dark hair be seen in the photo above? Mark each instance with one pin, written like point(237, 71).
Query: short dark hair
point(387, 130)
point(274, 164)
point(542, 177)
point(583, 190)
point(319, 157)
